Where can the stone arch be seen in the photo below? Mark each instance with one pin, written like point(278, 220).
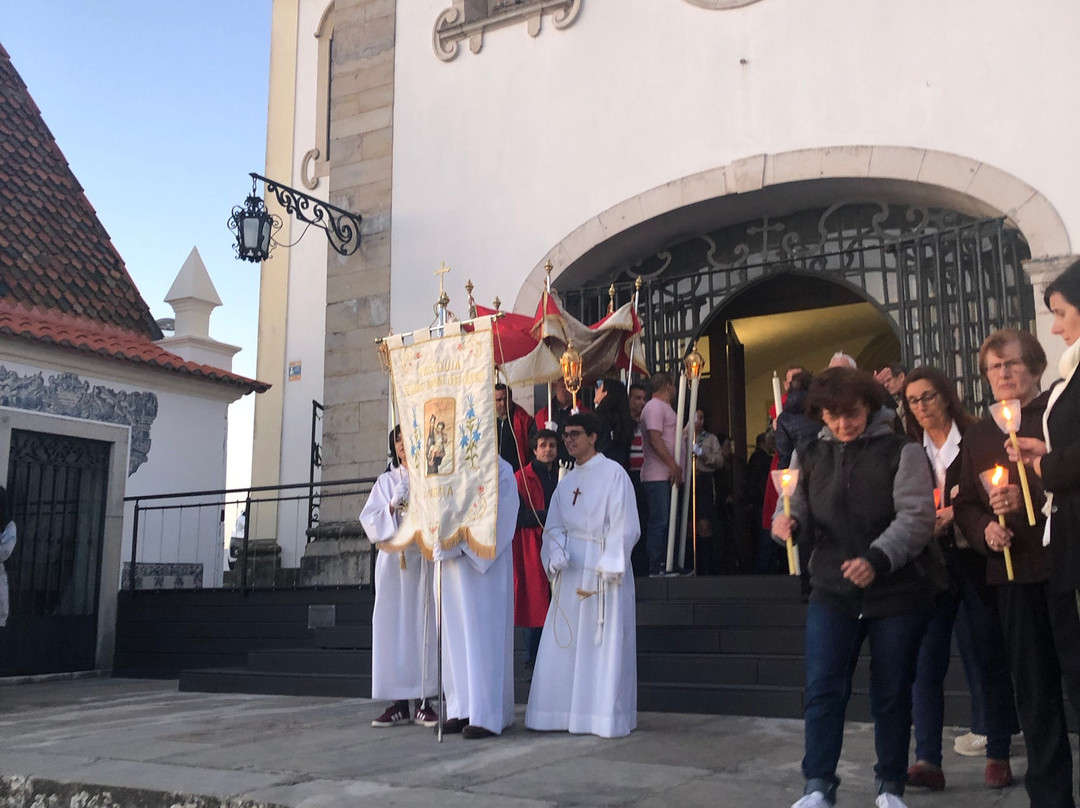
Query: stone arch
point(941, 177)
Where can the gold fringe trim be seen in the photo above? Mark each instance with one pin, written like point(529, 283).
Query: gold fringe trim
point(581, 593)
point(402, 541)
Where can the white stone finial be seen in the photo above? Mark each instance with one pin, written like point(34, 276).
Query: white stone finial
point(193, 297)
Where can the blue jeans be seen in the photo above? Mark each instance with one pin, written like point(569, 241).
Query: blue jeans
point(833, 640)
point(658, 499)
point(970, 606)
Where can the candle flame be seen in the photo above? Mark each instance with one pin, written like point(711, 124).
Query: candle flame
point(1006, 413)
point(786, 478)
point(996, 479)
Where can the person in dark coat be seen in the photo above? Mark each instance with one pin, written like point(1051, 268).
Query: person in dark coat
point(864, 506)
point(1041, 626)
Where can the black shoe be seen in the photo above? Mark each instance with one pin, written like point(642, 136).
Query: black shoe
point(473, 733)
point(453, 726)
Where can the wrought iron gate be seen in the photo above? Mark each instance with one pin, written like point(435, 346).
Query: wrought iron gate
point(944, 279)
point(57, 487)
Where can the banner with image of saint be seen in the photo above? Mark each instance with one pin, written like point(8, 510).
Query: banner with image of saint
point(444, 391)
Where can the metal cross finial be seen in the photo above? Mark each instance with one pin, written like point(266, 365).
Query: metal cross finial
point(442, 270)
point(497, 303)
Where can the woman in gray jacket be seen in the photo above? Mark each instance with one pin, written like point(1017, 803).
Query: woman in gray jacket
point(864, 508)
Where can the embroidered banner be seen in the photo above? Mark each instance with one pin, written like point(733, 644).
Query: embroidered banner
point(444, 391)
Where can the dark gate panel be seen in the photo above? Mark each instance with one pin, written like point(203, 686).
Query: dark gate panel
point(946, 280)
point(57, 486)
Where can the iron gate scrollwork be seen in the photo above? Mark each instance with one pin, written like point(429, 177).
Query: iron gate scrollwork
point(946, 280)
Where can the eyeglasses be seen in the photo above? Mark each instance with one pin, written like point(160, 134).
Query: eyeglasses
point(926, 399)
point(1012, 365)
point(573, 434)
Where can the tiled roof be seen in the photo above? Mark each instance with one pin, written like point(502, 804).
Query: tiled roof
point(107, 341)
point(62, 281)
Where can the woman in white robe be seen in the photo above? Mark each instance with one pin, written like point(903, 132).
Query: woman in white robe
point(585, 679)
point(7, 547)
point(403, 661)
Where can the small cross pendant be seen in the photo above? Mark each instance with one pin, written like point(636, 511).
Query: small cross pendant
point(577, 493)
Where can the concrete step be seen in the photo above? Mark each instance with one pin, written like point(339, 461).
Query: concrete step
point(311, 660)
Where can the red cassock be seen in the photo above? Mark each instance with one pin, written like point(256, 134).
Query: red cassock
point(532, 593)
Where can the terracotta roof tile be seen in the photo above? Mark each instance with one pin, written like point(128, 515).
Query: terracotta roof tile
point(62, 281)
point(107, 341)
point(44, 214)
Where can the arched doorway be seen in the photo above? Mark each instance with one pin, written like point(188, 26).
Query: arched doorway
point(944, 279)
point(882, 280)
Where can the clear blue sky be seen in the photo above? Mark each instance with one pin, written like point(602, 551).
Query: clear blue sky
point(160, 109)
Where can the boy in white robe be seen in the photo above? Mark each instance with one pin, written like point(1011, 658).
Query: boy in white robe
point(478, 626)
point(585, 679)
point(403, 661)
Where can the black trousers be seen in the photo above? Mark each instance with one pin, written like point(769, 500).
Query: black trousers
point(1042, 637)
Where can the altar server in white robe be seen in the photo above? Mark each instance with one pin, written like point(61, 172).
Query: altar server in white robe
point(478, 626)
point(585, 678)
point(403, 661)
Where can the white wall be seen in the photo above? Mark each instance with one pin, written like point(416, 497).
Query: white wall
point(187, 453)
point(499, 155)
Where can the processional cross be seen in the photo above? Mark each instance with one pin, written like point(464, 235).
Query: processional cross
point(442, 270)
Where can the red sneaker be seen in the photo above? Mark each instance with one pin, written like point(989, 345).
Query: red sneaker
point(998, 773)
point(397, 713)
point(926, 775)
point(425, 715)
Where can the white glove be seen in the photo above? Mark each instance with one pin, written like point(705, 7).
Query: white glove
point(401, 493)
point(437, 552)
point(698, 450)
point(559, 560)
point(551, 425)
point(575, 411)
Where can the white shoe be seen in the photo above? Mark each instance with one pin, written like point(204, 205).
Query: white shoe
point(970, 745)
point(887, 800)
point(815, 799)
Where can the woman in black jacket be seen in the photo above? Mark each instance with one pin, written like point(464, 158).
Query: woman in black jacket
point(865, 504)
point(1057, 460)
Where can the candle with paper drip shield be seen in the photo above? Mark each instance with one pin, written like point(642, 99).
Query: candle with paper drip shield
point(1006, 415)
point(786, 481)
point(998, 477)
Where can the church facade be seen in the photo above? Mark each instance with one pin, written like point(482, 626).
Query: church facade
point(787, 179)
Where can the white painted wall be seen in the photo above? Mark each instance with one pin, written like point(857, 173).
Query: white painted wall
point(499, 155)
point(306, 328)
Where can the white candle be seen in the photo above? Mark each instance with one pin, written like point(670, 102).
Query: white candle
point(777, 398)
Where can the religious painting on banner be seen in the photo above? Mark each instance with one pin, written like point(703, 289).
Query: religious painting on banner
point(444, 389)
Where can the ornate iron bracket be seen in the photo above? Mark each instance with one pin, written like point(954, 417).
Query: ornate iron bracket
point(452, 27)
point(342, 227)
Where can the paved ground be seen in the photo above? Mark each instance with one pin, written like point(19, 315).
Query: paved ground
point(100, 743)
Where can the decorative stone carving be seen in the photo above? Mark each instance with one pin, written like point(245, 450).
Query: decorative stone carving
point(452, 26)
point(66, 394)
point(717, 4)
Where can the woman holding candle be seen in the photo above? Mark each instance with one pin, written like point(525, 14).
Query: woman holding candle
point(1057, 461)
point(864, 506)
point(938, 422)
point(1041, 627)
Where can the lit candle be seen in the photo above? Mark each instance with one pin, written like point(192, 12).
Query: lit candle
point(777, 399)
point(786, 480)
point(998, 477)
point(1007, 416)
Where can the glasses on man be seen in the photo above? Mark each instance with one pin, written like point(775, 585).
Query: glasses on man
point(925, 400)
point(573, 434)
point(1012, 366)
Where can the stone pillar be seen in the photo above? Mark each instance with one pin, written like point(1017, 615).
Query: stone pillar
point(1040, 272)
point(358, 286)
